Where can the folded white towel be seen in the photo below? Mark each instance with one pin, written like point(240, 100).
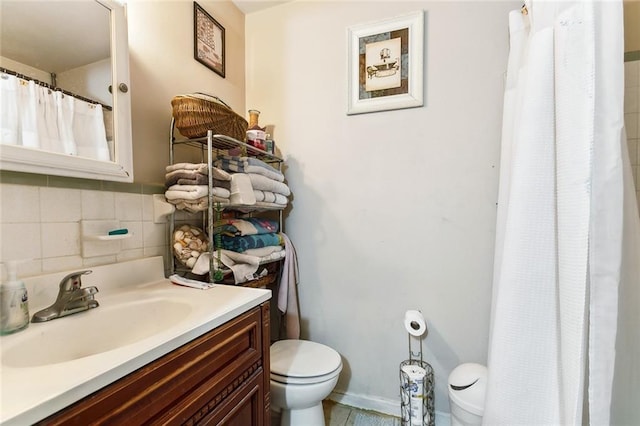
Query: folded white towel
point(242, 265)
point(199, 205)
point(263, 183)
point(274, 256)
point(241, 190)
point(186, 192)
point(264, 251)
point(197, 168)
point(193, 192)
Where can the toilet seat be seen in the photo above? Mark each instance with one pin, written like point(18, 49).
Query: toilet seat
point(303, 362)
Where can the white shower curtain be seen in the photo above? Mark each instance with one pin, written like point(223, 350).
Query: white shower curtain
point(560, 217)
point(36, 117)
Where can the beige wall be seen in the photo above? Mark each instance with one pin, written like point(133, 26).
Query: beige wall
point(631, 25)
point(162, 66)
point(391, 210)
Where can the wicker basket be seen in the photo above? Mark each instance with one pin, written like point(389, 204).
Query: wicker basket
point(195, 114)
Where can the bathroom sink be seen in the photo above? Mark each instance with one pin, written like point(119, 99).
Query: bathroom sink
point(142, 316)
point(110, 326)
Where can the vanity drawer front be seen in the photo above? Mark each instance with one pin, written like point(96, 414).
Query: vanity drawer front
point(200, 375)
point(240, 404)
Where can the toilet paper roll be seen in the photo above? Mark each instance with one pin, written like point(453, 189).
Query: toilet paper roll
point(414, 323)
point(415, 389)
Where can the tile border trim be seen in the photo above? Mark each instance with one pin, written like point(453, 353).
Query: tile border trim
point(33, 179)
point(632, 56)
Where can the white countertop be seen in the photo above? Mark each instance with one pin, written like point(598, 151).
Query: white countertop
point(31, 393)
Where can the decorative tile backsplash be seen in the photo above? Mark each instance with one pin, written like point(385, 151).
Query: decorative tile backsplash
point(632, 118)
point(43, 225)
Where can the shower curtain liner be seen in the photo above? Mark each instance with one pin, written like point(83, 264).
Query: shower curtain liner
point(37, 117)
point(560, 217)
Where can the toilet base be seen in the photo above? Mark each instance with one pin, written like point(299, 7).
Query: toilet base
point(312, 416)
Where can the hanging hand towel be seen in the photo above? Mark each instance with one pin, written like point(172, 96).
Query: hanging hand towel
point(288, 291)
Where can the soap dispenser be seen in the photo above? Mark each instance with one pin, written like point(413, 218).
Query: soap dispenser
point(14, 302)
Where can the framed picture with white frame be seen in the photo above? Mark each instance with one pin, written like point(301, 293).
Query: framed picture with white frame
point(385, 64)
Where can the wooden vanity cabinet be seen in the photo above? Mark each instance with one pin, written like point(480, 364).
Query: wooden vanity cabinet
point(220, 378)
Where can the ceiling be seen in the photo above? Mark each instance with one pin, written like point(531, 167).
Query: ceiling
point(54, 36)
point(250, 6)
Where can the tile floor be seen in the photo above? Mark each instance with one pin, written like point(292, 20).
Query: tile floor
point(342, 415)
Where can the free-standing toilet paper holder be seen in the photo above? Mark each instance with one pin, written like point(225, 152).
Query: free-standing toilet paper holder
point(416, 388)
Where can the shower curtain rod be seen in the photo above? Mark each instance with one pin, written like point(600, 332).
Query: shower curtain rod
point(51, 87)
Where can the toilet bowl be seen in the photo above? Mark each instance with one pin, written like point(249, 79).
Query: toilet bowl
point(303, 373)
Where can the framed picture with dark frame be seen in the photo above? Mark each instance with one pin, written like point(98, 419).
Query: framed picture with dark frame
point(208, 40)
point(385, 65)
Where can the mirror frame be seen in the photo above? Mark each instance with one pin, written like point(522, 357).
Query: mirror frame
point(21, 159)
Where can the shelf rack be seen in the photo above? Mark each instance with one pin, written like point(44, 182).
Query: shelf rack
point(211, 143)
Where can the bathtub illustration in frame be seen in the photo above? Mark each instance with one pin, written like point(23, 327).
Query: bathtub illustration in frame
point(385, 64)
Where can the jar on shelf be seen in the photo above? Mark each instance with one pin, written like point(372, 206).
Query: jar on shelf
point(254, 115)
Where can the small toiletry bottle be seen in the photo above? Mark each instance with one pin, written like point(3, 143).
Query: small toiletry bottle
point(14, 302)
point(269, 144)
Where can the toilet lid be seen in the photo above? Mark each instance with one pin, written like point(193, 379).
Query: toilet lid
point(302, 358)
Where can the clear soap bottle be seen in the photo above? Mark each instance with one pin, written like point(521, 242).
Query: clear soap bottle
point(14, 302)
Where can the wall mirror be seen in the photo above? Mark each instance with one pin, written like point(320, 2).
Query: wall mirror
point(66, 107)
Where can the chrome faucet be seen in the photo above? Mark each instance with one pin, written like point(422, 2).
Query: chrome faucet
point(72, 298)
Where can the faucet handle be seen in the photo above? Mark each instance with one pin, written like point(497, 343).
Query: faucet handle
point(73, 280)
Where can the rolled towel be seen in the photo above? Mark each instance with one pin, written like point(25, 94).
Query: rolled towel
point(281, 199)
point(267, 196)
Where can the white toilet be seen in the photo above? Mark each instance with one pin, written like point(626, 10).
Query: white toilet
point(303, 373)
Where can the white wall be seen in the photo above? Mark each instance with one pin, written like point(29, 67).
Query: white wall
point(632, 118)
point(391, 210)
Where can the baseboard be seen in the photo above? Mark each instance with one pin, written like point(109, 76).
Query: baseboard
point(381, 405)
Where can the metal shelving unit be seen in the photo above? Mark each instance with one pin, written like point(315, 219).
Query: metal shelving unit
point(208, 145)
